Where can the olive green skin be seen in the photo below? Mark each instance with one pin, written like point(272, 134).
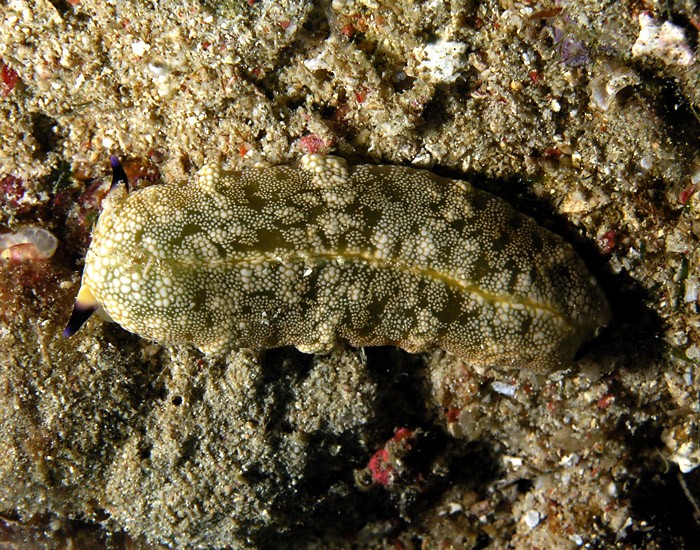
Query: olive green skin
point(318, 253)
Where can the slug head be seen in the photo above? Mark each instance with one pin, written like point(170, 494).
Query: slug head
point(86, 304)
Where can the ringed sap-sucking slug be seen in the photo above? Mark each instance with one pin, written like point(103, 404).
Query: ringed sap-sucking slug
point(312, 254)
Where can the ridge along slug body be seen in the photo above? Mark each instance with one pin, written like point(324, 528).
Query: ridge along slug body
point(320, 252)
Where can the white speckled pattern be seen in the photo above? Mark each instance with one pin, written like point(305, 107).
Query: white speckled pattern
point(308, 255)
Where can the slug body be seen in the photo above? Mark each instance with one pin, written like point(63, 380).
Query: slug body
point(321, 252)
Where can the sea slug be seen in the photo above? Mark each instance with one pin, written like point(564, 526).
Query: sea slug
point(322, 252)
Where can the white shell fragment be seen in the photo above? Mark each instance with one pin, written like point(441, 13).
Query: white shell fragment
point(28, 243)
point(321, 252)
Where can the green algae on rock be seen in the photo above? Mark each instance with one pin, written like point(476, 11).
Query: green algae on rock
point(311, 254)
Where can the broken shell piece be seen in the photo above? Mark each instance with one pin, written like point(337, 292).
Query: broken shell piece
point(28, 243)
point(609, 83)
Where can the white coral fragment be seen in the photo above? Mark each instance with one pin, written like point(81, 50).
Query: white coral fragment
point(665, 41)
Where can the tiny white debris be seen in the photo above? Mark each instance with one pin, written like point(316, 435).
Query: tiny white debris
point(315, 63)
point(140, 48)
point(681, 441)
point(695, 177)
point(622, 532)
point(678, 338)
point(646, 162)
point(442, 60)
point(688, 376)
point(665, 41)
point(677, 242)
point(569, 460)
point(693, 352)
point(452, 509)
point(162, 79)
point(686, 464)
point(575, 202)
point(504, 388)
point(55, 525)
point(513, 461)
point(532, 518)
point(158, 69)
point(691, 289)
point(79, 81)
